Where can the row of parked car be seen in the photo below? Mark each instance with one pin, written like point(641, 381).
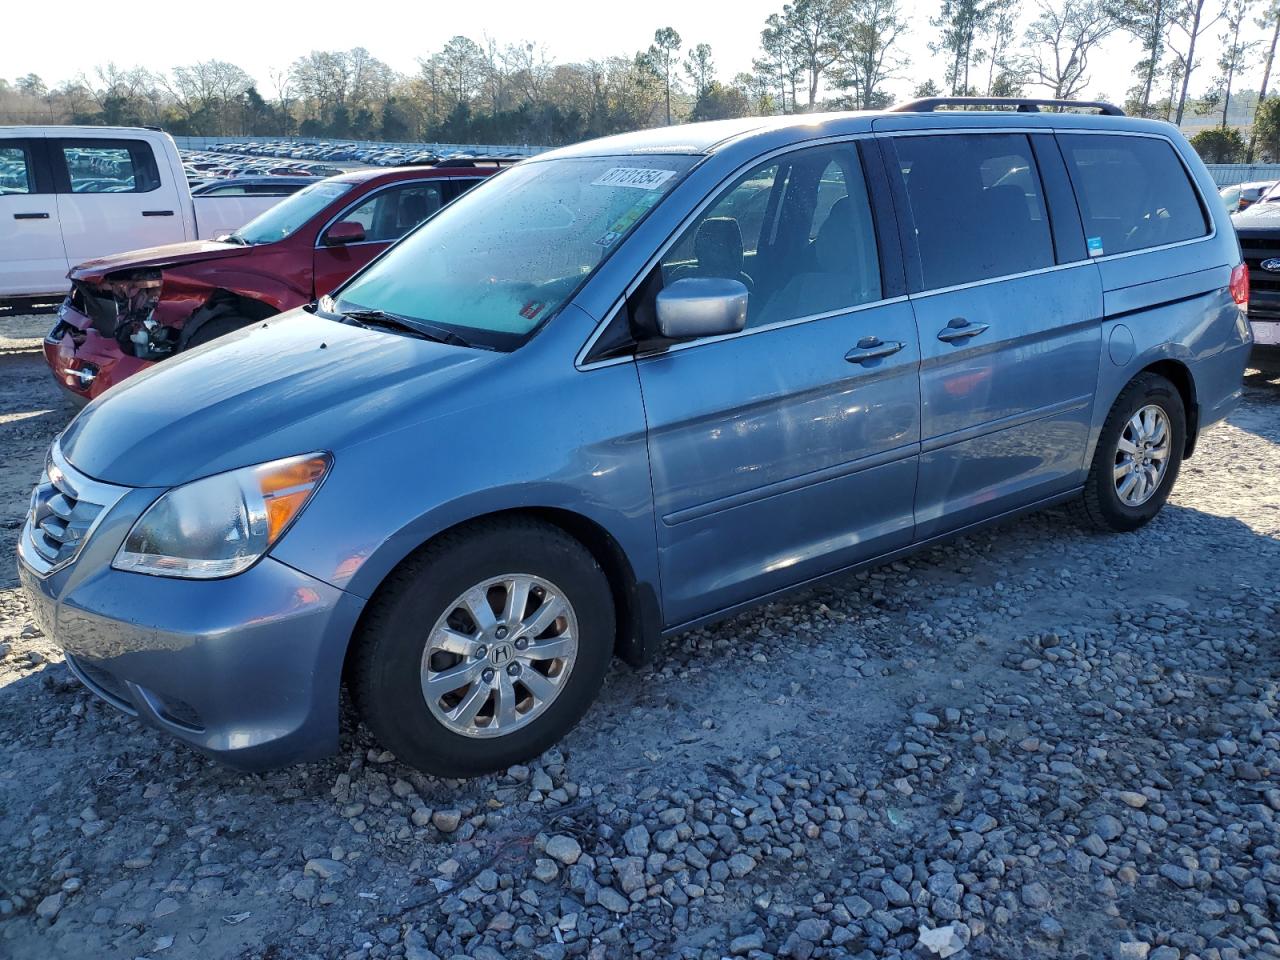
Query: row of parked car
point(612, 393)
point(371, 154)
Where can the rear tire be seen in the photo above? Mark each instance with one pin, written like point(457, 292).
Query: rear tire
point(420, 634)
point(1127, 485)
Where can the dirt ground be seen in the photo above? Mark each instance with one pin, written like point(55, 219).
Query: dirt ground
point(1053, 743)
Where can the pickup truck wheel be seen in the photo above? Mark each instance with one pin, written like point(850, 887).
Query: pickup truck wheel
point(485, 649)
point(1138, 455)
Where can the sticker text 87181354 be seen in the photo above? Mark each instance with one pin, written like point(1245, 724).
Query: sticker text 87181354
point(637, 177)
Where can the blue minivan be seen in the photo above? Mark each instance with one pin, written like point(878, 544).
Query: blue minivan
point(625, 388)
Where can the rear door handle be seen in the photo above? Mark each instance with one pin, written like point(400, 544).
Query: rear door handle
point(31, 216)
point(157, 213)
point(873, 348)
point(960, 329)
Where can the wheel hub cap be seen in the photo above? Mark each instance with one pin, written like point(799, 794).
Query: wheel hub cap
point(1142, 455)
point(499, 655)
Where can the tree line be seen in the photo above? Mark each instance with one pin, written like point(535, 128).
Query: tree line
point(813, 54)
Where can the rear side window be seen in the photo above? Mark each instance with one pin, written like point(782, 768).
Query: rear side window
point(16, 170)
point(976, 207)
point(109, 166)
point(1134, 192)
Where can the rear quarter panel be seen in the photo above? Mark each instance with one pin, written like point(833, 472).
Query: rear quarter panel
point(1174, 304)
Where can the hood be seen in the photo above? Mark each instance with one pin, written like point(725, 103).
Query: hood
point(1261, 217)
point(169, 255)
point(294, 384)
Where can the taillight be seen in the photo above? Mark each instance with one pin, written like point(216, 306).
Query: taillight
point(1240, 285)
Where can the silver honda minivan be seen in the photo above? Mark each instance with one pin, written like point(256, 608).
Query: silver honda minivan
point(623, 389)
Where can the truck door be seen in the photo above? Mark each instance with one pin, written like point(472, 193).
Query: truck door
point(32, 259)
point(112, 197)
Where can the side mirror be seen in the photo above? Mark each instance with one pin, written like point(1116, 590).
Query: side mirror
point(343, 232)
point(701, 307)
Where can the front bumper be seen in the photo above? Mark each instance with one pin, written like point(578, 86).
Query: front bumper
point(84, 362)
point(246, 669)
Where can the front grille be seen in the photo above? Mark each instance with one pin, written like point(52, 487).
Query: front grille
point(65, 507)
point(1266, 282)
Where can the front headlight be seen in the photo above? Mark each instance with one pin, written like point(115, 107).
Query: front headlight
point(221, 525)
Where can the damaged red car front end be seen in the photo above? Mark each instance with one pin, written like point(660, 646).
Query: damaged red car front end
point(125, 312)
point(128, 311)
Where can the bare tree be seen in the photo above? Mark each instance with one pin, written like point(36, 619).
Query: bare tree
point(700, 68)
point(1235, 50)
point(868, 57)
point(817, 32)
point(1270, 18)
point(662, 54)
point(1191, 20)
point(1062, 38)
point(1148, 22)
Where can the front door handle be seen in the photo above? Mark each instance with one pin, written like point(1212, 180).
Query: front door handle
point(873, 348)
point(960, 329)
point(157, 213)
point(31, 216)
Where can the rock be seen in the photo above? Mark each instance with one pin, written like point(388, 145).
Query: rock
point(740, 865)
point(564, 849)
point(1108, 827)
point(1132, 950)
point(324, 868)
point(1132, 799)
point(165, 907)
point(743, 945)
point(814, 929)
point(613, 901)
point(1035, 895)
point(48, 908)
point(945, 941)
point(636, 841)
point(446, 821)
point(545, 870)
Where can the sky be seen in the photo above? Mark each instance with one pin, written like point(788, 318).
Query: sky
point(60, 41)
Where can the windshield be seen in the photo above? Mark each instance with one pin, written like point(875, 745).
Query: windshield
point(497, 263)
point(291, 213)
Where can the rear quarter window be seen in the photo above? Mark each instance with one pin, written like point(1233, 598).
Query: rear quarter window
point(1134, 192)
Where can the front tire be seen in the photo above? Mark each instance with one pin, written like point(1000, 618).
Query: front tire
point(484, 649)
point(1138, 456)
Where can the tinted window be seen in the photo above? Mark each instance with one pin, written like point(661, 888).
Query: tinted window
point(796, 232)
point(977, 206)
point(1134, 192)
point(110, 166)
point(16, 175)
point(391, 213)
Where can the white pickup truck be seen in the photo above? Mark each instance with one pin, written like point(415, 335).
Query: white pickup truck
point(69, 194)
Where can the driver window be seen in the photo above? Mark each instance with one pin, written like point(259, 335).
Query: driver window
point(389, 215)
point(795, 231)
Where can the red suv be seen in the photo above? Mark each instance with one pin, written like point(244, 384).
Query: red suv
point(128, 311)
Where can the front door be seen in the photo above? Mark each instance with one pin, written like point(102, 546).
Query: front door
point(789, 450)
point(1009, 337)
point(32, 259)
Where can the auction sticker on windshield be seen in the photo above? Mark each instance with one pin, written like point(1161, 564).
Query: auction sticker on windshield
point(639, 177)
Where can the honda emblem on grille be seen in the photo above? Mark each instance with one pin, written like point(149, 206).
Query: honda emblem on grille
point(1272, 265)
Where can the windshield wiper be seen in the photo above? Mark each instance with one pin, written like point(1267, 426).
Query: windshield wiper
point(233, 238)
point(381, 318)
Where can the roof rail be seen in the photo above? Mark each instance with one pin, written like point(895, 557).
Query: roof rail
point(477, 162)
point(1020, 104)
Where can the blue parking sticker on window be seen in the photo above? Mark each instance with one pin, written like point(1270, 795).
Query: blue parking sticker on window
point(1095, 246)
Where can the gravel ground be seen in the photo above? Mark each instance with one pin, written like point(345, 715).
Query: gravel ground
point(1034, 742)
